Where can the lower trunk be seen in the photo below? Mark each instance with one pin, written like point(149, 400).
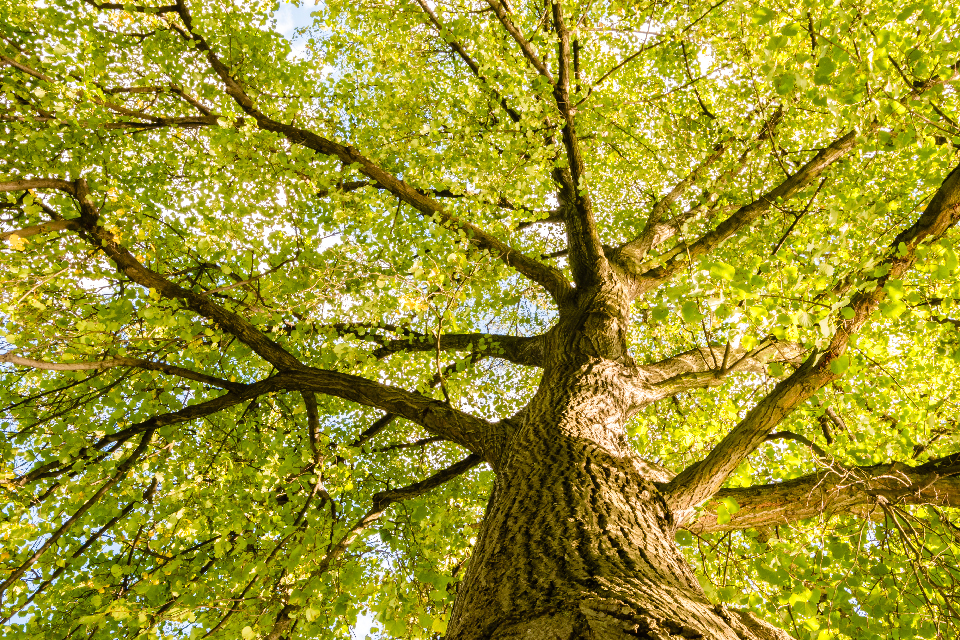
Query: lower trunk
point(578, 544)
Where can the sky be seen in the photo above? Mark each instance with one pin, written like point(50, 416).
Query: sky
point(291, 17)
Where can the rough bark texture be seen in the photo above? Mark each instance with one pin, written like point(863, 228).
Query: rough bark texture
point(837, 490)
point(577, 541)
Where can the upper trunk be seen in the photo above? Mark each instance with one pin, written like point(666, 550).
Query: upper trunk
point(577, 543)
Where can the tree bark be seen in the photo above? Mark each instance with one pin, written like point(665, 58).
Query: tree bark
point(577, 541)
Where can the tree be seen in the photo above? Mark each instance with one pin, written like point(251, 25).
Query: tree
point(498, 320)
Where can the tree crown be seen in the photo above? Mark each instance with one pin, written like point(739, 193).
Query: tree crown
point(265, 298)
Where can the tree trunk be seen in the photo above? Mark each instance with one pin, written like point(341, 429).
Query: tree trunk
point(577, 543)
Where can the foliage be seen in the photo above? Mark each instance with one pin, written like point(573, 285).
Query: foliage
point(213, 523)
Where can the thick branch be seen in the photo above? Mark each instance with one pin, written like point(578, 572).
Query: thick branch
point(437, 417)
point(39, 183)
point(384, 499)
point(551, 279)
point(650, 275)
point(528, 51)
point(422, 442)
point(520, 350)
point(373, 430)
point(587, 260)
point(128, 264)
point(46, 227)
point(837, 491)
point(706, 367)
point(703, 479)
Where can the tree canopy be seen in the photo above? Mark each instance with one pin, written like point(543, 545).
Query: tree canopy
point(265, 300)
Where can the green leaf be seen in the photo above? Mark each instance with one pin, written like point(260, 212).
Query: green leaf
point(708, 587)
point(723, 513)
point(659, 314)
point(763, 15)
point(791, 29)
point(825, 69)
point(731, 505)
point(785, 82)
point(839, 364)
point(723, 271)
point(691, 312)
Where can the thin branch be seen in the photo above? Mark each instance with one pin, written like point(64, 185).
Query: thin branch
point(5, 61)
point(137, 8)
point(796, 437)
point(122, 362)
point(616, 68)
point(248, 281)
point(422, 442)
point(696, 361)
point(696, 92)
point(471, 63)
point(50, 541)
point(658, 230)
point(653, 230)
point(381, 502)
point(313, 423)
point(186, 414)
point(147, 496)
point(373, 430)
